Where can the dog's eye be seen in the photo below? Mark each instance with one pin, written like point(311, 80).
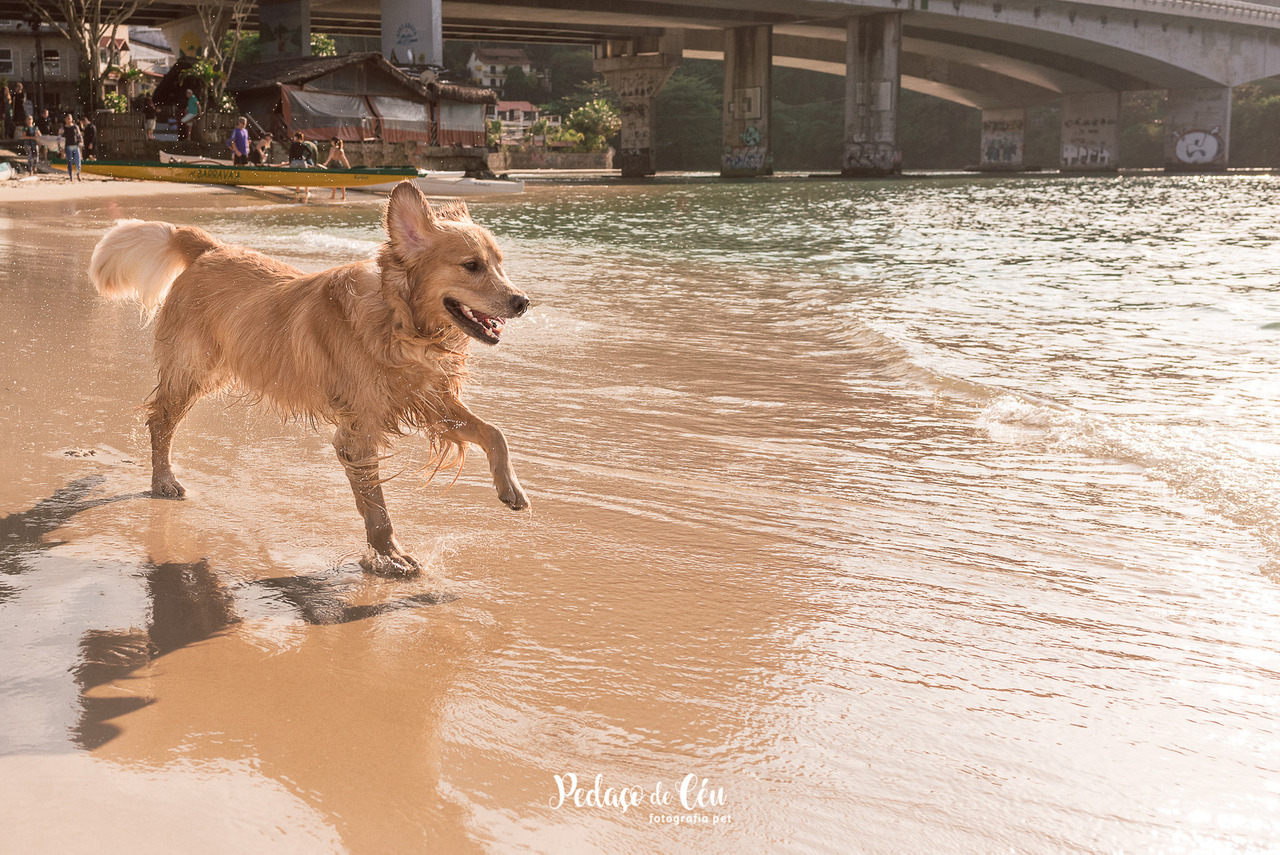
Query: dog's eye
point(472, 266)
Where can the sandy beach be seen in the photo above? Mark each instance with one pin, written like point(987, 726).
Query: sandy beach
point(58, 188)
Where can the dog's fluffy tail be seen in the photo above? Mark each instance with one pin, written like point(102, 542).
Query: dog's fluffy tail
point(138, 260)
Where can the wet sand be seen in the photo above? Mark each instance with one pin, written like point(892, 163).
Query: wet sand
point(217, 673)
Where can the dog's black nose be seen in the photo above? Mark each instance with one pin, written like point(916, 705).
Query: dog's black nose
point(519, 304)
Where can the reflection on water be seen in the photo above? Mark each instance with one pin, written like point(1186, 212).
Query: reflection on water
point(186, 602)
point(871, 516)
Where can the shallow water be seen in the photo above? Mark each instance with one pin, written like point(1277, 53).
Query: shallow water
point(912, 516)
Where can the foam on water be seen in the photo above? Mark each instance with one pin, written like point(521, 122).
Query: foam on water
point(1227, 479)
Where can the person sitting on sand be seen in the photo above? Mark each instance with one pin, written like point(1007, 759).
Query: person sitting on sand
point(260, 153)
point(337, 160)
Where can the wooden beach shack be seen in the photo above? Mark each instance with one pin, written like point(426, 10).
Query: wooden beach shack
point(359, 97)
point(384, 116)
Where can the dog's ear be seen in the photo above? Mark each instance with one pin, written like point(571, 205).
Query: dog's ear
point(410, 221)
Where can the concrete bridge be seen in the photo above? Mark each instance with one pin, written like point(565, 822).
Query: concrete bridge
point(1000, 56)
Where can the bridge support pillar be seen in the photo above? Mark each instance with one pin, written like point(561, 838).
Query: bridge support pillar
point(412, 32)
point(873, 53)
point(1199, 123)
point(637, 69)
point(748, 102)
point(284, 28)
point(1002, 140)
point(1090, 132)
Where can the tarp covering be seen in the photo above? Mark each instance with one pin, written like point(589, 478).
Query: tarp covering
point(461, 124)
point(403, 120)
point(323, 115)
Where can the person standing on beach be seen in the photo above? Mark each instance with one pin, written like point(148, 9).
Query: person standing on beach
point(20, 109)
point(337, 160)
point(300, 157)
point(72, 139)
point(149, 117)
point(29, 134)
point(90, 131)
point(188, 119)
point(6, 106)
point(239, 143)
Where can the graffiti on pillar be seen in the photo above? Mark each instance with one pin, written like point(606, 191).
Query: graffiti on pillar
point(744, 159)
point(636, 127)
point(1097, 154)
point(1198, 146)
point(1090, 132)
point(1002, 141)
point(751, 137)
point(876, 158)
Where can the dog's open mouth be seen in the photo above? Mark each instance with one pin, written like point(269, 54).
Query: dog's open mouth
point(474, 323)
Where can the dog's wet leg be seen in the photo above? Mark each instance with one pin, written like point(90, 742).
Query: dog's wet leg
point(359, 457)
point(468, 427)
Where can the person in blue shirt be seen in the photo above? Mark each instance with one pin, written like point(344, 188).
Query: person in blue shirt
point(239, 143)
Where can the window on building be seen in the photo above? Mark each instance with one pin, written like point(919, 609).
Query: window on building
point(53, 62)
point(6, 61)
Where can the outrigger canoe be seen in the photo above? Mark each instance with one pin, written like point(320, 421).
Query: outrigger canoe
point(377, 179)
point(432, 182)
point(246, 176)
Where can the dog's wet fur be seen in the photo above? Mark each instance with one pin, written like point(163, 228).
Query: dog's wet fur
point(377, 348)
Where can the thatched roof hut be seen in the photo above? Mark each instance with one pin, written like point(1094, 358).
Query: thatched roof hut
point(355, 97)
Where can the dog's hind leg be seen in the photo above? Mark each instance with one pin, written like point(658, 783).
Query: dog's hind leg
point(165, 410)
point(359, 455)
point(466, 426)
point(167, 407)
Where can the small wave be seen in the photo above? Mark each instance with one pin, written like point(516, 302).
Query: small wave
point(314, 241)
point(1229, 481)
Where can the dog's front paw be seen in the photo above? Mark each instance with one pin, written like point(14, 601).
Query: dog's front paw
point(396, 563)
point(166, 487)
point(514, 498)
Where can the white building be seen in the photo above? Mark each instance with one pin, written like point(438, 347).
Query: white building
point(489, 66)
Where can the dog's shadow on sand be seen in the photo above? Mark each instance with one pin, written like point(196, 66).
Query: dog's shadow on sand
point(187, 602)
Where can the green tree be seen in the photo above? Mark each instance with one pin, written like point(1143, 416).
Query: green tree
point(221, 30)
point(597, 121)
point(522, 87)
point(595, 89)
point(566, 67)
point(323, 45)
point(688, 132)
point(1255, 124)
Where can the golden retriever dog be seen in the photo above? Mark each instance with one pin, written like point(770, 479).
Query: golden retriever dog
point(376, 348)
